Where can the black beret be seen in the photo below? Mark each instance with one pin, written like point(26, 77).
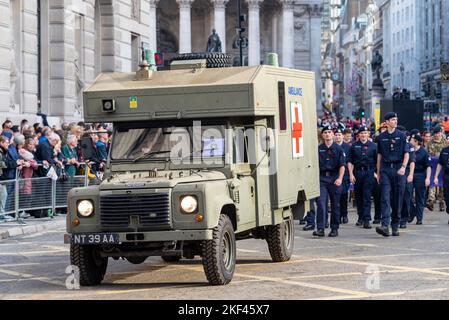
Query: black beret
point(363, 128)
point(390, 115)
point(417, 137)
point(437, 129)
point(414, 131)
point(15, 128)
point(326, 128)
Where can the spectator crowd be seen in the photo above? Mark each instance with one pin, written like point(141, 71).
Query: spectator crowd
point(40, 150)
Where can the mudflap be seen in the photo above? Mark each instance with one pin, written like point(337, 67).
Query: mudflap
point(299, 210)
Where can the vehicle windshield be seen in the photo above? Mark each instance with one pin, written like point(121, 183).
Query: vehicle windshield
point(174, 143)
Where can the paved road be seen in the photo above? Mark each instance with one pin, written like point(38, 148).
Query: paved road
point(357, 265)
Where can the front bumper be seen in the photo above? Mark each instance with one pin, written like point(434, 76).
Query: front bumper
point(159, 236)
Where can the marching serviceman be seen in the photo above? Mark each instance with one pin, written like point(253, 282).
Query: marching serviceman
point(443, 164)
point(332, 162)
point(362, 161)
point(408, 193)
point(421, 178)
point(339, 139)
point(392, 159)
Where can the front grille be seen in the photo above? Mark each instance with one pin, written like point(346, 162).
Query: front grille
point(130, 212)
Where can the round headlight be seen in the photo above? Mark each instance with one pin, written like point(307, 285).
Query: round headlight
point(85, 208)
point(189, 204)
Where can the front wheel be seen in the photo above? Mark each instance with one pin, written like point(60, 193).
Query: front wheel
point(219, 254)
point(92, 267)
point(280, 239)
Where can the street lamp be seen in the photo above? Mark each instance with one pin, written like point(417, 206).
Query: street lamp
point(402, 69)
point(240, 31)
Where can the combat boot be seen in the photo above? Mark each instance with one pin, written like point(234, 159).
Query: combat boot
point(442, 206)
point(309, 227)
point(395, 233)
point(333, 233)
point(385, 231)
point(376, 221)
point(367, 225)
point(430, 205)
point(318, 233)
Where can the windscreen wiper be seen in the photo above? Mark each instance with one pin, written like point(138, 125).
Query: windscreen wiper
point(149, 155)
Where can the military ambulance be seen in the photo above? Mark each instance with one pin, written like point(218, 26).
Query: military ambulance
point(200, 157)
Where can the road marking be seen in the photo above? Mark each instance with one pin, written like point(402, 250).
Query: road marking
point(410, 269)
point(331, 275)
point(295, 283)
point(253, 277)
point(32, 253)
point(13, 265)
point(31, 277)
point(249, 251)
point(379, 295)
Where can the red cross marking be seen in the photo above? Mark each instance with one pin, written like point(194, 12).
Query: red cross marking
point(297, 129)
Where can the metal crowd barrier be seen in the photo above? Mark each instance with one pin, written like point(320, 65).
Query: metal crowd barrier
point(24, 195)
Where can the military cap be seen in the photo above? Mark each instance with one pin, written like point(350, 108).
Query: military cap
point(326, 128)
point(417, 137)
point(363, 128)
point(338, 130)
point(390, 115)
point(414, 131)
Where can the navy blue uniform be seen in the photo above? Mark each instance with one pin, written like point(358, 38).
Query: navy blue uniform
point(331, 160)
point(363, 156)
point(346, 184)
point(422, 162)
point(408, 193)
point(444, 162)
point(392, 147)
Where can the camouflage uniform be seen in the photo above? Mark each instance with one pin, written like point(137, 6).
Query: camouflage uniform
point(434, 150)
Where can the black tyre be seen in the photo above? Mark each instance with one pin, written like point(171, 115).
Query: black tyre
point(280, 239)
point(91, 265)
point(219, 254)
point(136, 260)
point(170, 259)
point(213, 60)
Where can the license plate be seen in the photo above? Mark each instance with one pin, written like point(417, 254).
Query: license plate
point(103, 238)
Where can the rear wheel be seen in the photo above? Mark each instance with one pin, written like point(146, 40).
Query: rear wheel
point(280, 239)
point(92, 266)
point(219, 254)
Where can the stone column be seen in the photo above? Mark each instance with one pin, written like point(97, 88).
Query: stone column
point(288, 51)
point(152, 21)
point(220, 20)
point(253, 32)
point(185, 37)
point(315, 48)
point(5, 57)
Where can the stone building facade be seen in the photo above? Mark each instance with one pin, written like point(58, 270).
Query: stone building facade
point(51, 49)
